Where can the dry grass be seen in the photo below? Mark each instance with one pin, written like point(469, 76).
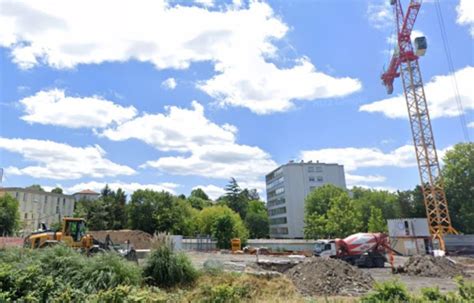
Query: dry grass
point(252, 289)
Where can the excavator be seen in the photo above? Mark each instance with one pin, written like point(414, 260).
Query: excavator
point(74, 235)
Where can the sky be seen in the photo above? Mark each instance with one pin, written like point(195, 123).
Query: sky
point(174, 95)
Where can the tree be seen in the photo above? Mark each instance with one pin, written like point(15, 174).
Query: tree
point(318, 201)
point(343, 218)
point(251, 194)
point(9, 215)
point(234, 198)
point(95, 213)
point(257, 221)
point(152, 211)
point(376, 221)
point(223, 231)
point(257, 224)
point(117, 209)
point(209, 215)
point(199, 193)
point(458, 173)
point(411, 204)
point(36, 187)
point(57, 190)
point(198, 203)
point(386, 201)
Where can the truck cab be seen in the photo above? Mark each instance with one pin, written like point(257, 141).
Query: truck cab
point(325, 248)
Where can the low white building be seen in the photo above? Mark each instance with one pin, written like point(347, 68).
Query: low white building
point(37, 207)
point(410, 236)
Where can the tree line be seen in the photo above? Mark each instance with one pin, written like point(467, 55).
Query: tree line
point(334, 212)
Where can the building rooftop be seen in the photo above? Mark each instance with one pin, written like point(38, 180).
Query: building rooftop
point(29, 190)
point(87, 192)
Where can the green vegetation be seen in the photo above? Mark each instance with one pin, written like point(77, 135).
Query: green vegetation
point(376, 221)
point(57, 190)
point(164, 268)
point(458, 172)
point(35, 187)
point(208, 218)
point(9, 215)
point(395, 292)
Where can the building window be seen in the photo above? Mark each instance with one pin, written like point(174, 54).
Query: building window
point(276, 192)
point(57, 208)
point(276, 202)
point(26, 216)
point(320, 178)
point(277, 211)
point(279, 230)
point(275, 221)
point(311, 169)
point(16, 195)
point(24, 197)
point(275, 182)
point(311, 179)
point(319, 169)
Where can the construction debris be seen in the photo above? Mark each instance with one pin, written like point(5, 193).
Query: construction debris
point(329, 277)
point(138, 239)
point(429, 266)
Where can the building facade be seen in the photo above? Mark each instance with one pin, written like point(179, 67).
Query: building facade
point(86, 194)
point(287, 187)
point(37, 207)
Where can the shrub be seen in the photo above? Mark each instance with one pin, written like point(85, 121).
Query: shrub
point(433, 294)
point(465, 289)
point(390, 291)
point(165, 268)
point(223, 230)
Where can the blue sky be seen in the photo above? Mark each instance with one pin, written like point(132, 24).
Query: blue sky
point(178, 94)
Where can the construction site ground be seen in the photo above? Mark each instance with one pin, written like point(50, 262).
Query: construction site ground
point(245, 262)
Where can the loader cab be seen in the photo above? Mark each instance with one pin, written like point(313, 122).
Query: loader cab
point(325, 248)
point(74, 230)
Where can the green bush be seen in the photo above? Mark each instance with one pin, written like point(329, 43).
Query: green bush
point(165, 268)
point(60, 272)
point(465, 289)
point(433, 294)
point(390, 291)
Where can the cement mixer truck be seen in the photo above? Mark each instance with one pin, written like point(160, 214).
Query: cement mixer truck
point(361, 249)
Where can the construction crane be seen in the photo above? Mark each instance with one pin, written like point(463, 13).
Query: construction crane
point(404, 62)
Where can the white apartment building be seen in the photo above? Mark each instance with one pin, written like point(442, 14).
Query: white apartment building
point(40, 207)
point(287, 187)
point(87, 195)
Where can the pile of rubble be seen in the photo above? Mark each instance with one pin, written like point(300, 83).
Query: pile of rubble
point(329, 277)
point(138, 239)
point(429, 266)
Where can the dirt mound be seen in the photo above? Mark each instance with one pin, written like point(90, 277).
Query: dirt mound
point(138, 238)
point(321, 276)
point(429, 266)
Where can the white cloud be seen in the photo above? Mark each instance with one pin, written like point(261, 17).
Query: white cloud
point(211, 190)
point(210, 149)
point(169, 83)
point(206, 3)
point(380, 14)
point(471, 124)
point(61, 161)
point(238, 40)
point(128, 187)
point(242, 162)
point(465, 11)
point(355, 158)
point(439, 94)
point(177, 130)
point(53, 107)
point(265, 88)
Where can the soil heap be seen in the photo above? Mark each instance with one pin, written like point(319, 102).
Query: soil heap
point(321, 276)
point(138, 239)
point(430, 266)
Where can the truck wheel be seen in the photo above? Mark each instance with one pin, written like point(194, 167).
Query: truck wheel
point(379, 263)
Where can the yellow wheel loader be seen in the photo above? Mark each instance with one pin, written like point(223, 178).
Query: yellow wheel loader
point(74, 235)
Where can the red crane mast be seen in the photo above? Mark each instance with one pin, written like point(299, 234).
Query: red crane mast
point(406, 60)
